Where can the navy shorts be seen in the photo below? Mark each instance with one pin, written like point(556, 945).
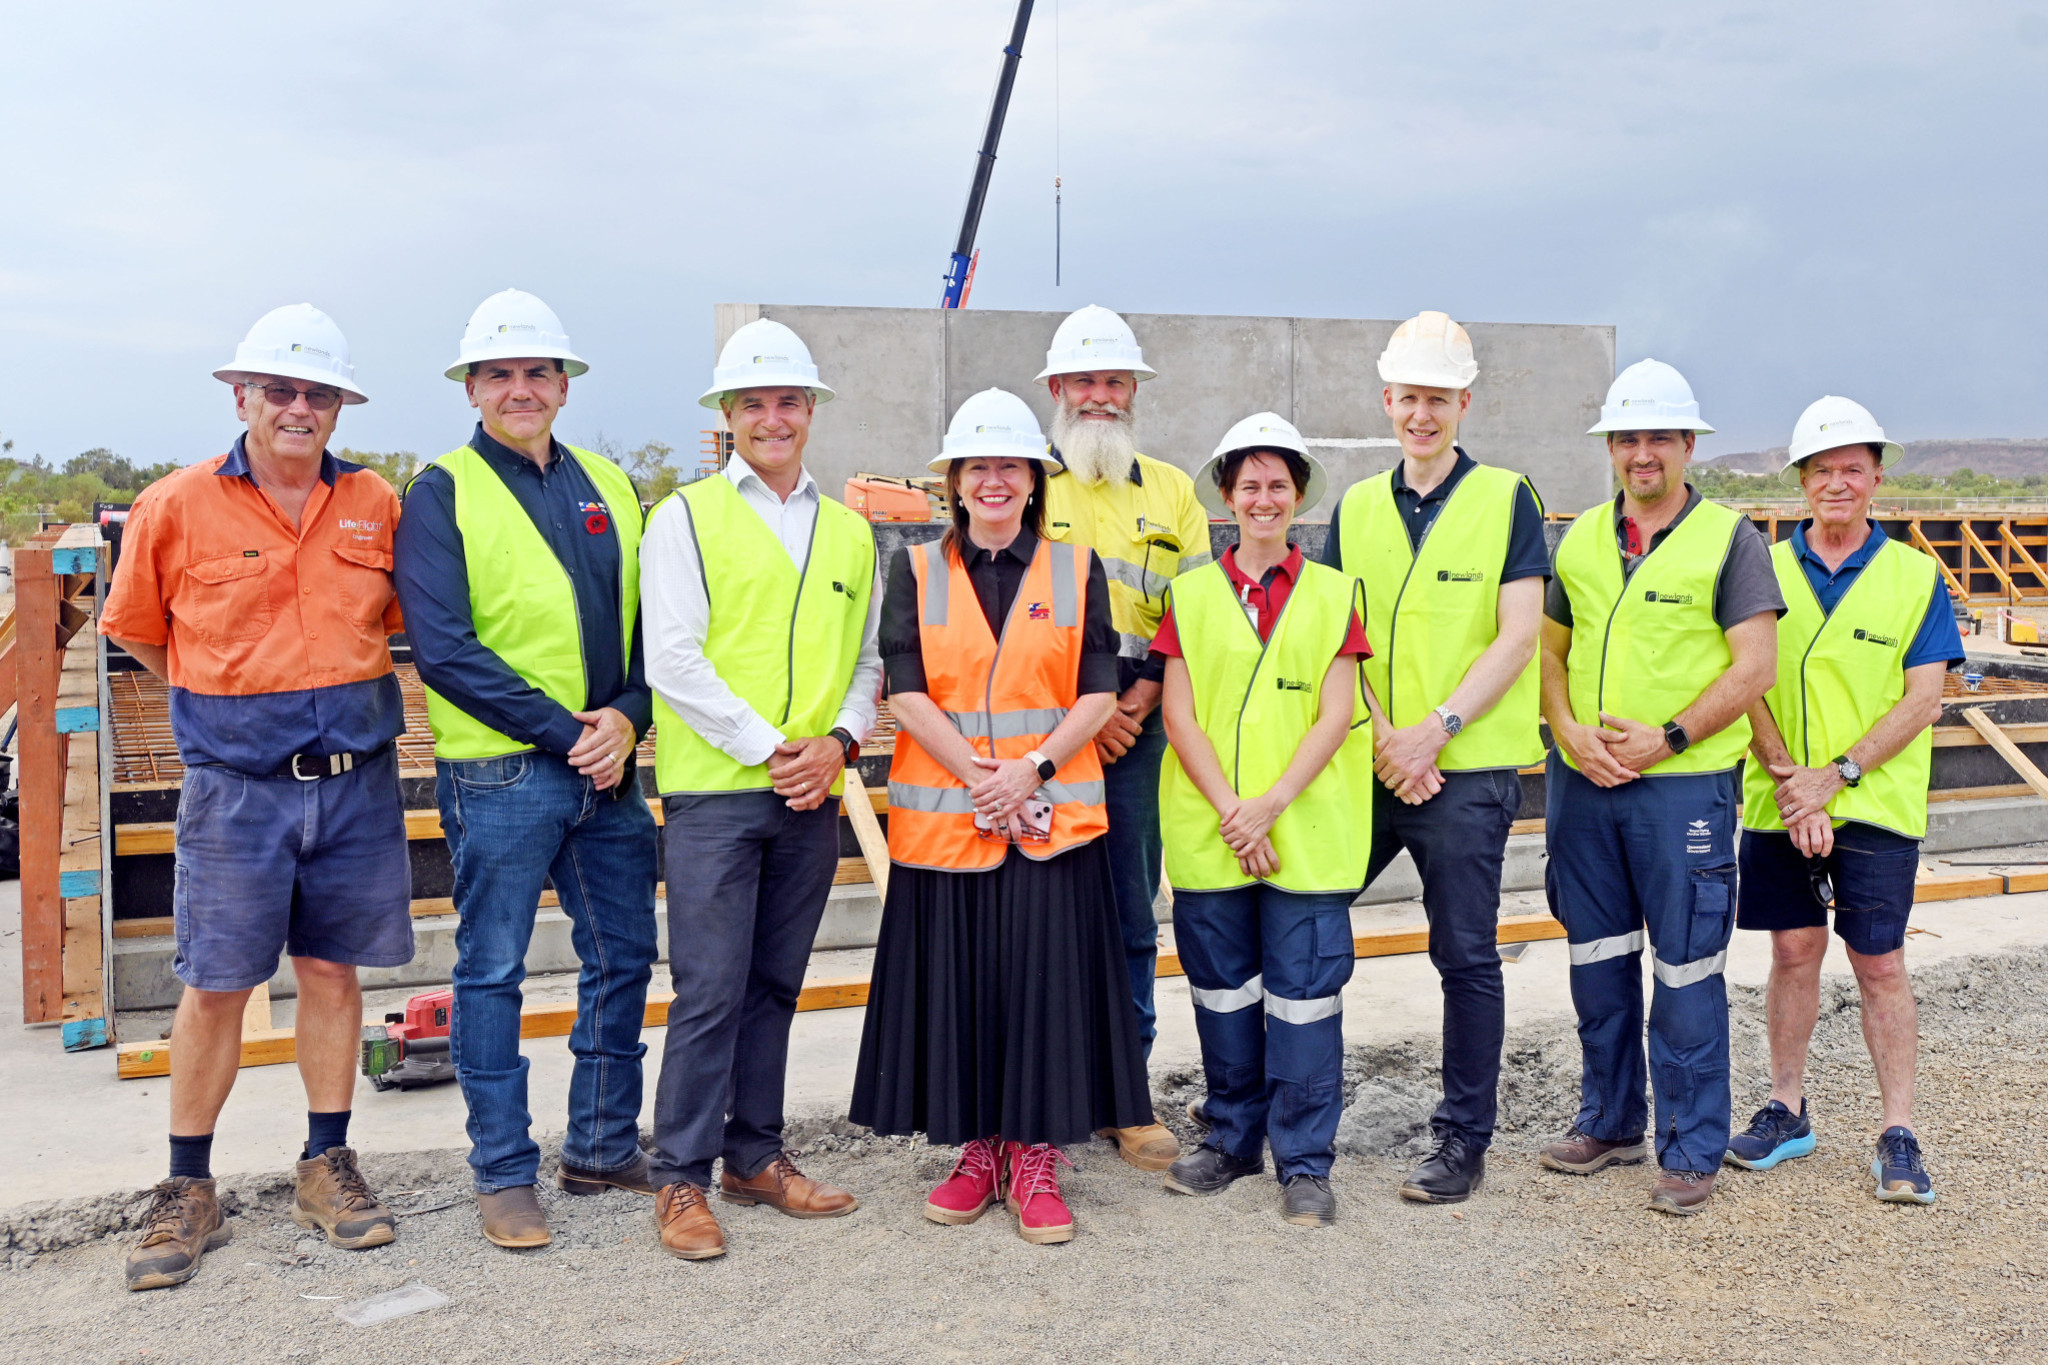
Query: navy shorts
point(1873, 871)
point(269, 865)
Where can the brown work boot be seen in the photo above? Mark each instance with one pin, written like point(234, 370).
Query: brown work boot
point(634, 1177)
point(1580, 1153)
point(1681, 1192)
point(1148, 1146)
point(688, 1227)
point(781, 1185)
point(513, 1218)
point(182, 1223)
point(334, 1197)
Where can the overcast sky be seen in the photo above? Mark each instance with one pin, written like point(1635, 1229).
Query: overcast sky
point(1782, 199)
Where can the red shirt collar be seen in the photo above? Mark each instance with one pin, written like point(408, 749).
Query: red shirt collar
point(1289, 568)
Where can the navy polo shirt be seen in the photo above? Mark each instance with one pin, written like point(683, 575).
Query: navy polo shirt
point(1528, 556)
point(432, 575)
point(1938, 640)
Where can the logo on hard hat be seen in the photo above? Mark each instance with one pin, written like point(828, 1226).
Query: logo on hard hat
point(517, 327)
point(771, 360)
point(304, 349)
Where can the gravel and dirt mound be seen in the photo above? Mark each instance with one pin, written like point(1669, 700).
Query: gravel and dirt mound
point(1799, 1263)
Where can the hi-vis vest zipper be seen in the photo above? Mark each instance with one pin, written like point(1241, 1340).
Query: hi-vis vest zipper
point(1432, 612)
point(1646, 647)
point(1839, 672)
point(763, 613)
point(1256, 701)
point(520, 596)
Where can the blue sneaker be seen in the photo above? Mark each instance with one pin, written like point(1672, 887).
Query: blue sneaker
point(1774, 1135)
point(1900, 1177)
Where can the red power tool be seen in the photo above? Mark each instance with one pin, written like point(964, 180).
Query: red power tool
point(410, 1050)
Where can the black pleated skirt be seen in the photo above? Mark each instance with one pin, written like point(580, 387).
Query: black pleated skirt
point(999, 1005)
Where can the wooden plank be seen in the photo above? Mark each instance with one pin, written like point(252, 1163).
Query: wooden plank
point(1970, 538)
point(256, 1011)
point(868, 830)
point(79, 853)
point(1955, 888)
point(2002, 740)
point(42, 788)
point(7, 661)
point(1955, 585)
point(2027, 560)
point(1964, 737)
point(2020, 882)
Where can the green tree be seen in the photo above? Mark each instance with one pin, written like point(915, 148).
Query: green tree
point(396, 466)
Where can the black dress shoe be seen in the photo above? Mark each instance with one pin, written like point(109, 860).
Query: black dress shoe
point(1452, 1173)
point(1208, 1171)
point(634, 1177)
point(1309, 1202)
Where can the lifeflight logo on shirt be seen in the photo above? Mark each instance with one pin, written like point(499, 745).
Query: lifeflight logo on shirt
point(360, 529)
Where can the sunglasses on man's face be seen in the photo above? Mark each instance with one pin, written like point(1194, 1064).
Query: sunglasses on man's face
point(283, 396)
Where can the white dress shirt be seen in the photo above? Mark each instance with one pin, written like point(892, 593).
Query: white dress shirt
point(675, 614)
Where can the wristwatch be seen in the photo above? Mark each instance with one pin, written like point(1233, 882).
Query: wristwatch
point(847, 743)
point(1675, 737)
point(1046, 767)
point(1452, 721)
point(1850, 769)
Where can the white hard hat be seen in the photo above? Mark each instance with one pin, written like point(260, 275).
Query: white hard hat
point(993, 422)
point(1260, 431)
point(514, 325)
point(1831, 422)
point(1429, 350)
point(764, 354)
point(297, 341)
point(1649, 396)
point(1091, 339)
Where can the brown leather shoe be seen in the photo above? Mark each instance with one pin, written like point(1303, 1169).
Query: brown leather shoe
point(334, 1197)
point(513, 1218)
point(1581, 1153)
point(781, 1185)
point(634, 1177)
point(688, 1227)
point(183, 1223)
point(1682, 1192)
point(1148, 1146)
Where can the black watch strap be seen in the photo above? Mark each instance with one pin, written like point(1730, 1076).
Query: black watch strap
point(849, 746)
point(1675, 737)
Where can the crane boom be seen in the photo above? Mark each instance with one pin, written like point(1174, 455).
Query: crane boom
point(960, 266)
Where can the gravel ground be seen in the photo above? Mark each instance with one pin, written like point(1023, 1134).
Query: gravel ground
point(1797, 1263)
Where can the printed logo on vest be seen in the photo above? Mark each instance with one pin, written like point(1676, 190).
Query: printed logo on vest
point(1461, 575)
point(1677, 599)
point(1038, 611)
point(1291, 685)
point(1888, 641)
point(839, 587)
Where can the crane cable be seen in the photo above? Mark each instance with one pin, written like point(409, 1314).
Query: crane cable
point(1056, 144)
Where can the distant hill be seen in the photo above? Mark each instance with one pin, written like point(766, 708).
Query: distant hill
point(2005, 458)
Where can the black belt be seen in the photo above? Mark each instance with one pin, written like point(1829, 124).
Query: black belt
point(314, 767)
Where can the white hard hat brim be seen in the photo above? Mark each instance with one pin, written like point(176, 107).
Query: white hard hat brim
point(1606, 426)
point(572, 364)
point(1081, 365)
point(715, 396)
point(1423, 377)
point(350, 394)
point(939, 462)
point(1889, 454)
point(1211, 497)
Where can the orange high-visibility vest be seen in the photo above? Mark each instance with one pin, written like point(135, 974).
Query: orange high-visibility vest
point(1006, 696)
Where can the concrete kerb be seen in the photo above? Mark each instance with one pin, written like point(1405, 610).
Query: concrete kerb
point(853, 915)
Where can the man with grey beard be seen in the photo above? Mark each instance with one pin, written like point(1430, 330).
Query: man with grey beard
point(1140, 517)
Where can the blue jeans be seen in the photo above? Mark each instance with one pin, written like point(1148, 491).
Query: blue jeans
point(1267, 969)
point(513, 823)
point(1648, 864)
point(1131, 794)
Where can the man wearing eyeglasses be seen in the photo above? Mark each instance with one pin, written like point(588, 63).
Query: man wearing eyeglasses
point(1835, 794)
point(258, 585)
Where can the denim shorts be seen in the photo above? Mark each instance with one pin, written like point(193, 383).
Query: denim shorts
point(1872, 869)
point(269, 865)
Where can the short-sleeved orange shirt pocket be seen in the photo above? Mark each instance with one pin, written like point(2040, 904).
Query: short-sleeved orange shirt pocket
point(226, 599)
point(362, 580)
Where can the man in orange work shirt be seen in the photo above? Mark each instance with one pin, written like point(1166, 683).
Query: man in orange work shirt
point(258, 584)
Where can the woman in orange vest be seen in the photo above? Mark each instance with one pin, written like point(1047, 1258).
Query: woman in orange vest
point(999, 1016)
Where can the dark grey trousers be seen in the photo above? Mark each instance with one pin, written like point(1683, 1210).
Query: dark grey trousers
point(747, 882)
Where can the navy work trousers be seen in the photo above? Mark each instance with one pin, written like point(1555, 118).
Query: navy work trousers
point(747, 883)
point(1650, 863)
point(1131, 797)
point(1458, 839)
point(1267, 970)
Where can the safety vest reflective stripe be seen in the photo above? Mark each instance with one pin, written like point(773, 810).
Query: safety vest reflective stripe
point(1303, 1011)
point(1600, 949)
point(1690, 973)
point(995, 690)
point(522, 602)
point(1256, 702)
point(1432, 610)
point(763, 607)
point(1644, 647)
point(1134, 576)
point(1839, 673)
point(1132, 646)
point(1232, 1000)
